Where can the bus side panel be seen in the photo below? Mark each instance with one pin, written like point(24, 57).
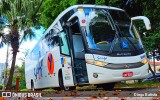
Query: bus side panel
point(67, 71)
point(50, 79)
point(37, 70)
point(29, 71)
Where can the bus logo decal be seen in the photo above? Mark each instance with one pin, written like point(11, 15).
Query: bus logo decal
point(126, 66)
point(50, 63)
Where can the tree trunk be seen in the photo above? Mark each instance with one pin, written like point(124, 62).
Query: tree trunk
point(15, 46)
point(9, 84)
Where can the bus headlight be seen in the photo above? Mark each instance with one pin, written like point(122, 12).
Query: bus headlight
point(95, 62)
point(144, 61)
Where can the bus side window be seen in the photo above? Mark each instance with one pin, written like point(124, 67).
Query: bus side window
point(63, 40)
point(35, 52)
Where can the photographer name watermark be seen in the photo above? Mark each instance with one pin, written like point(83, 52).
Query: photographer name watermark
point(145, 94)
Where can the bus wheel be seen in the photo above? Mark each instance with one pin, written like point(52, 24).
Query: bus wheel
point(70, 88)
point(108, 86)
point(57, 88)
point(32, 85)
point(62, 87)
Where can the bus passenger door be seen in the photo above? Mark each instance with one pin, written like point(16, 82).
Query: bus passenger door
point(77, 51)
point(66, 61)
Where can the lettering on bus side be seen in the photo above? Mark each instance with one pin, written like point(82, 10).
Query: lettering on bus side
point(38, 70)
point(101, 58)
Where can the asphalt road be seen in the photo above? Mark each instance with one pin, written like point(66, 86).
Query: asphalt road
point(117, 93)
point(131, 92)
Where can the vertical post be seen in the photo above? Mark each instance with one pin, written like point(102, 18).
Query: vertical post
point(5, 69)
point(154, 65)
point(17, 84)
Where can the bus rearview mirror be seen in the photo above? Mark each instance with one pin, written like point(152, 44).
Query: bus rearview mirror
point(145, 20)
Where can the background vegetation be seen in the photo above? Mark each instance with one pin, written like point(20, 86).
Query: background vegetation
point(148, 8)
point(18, 73)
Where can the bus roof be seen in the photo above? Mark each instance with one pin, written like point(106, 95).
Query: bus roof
point(78, 6)
point(70, 8)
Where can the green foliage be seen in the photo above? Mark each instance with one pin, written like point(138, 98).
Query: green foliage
point(22, 16)
point(116, 3)
point(19, 73)
point(52, 8)
point(1, 86)
point(26, 90)
point(100, 2)
point(151, 41)
point(138, 7)
point(47, 90)
point(148, 8)
point(139, 84)
point(151, 10)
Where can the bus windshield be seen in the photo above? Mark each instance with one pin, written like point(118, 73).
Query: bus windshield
point(111, 31)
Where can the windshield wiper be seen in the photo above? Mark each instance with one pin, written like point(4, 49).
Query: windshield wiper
point(112, 44)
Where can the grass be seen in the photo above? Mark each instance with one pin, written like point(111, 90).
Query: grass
point(28, 90)
point(48, 90)
point(147, 84)
point(89, 87)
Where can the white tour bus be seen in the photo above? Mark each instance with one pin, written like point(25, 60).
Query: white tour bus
point(88, 44)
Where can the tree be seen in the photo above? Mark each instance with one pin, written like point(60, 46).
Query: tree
point(21, 17)
point(133, 7)
point(19, 73)
point(52, 8)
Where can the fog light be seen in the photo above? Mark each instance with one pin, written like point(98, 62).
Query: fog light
point(95, 75)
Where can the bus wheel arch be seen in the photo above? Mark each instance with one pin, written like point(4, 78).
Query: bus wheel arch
point(108, 86)
point(32, 85)
point(60, 79)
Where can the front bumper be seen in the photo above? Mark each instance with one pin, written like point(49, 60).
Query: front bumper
point(111, 75)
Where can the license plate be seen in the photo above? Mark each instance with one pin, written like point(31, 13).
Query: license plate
point(127, 74)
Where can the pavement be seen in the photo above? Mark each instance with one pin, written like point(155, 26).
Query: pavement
point(116, 94)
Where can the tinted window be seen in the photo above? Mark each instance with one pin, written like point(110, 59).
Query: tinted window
point(64, 44)
point(50, 39)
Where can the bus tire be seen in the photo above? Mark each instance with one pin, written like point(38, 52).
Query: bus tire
point(32, 85)
point(108, 86)
point(57, 88)
point(62, 87)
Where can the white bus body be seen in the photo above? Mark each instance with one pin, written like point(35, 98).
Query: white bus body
point(88, 44)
